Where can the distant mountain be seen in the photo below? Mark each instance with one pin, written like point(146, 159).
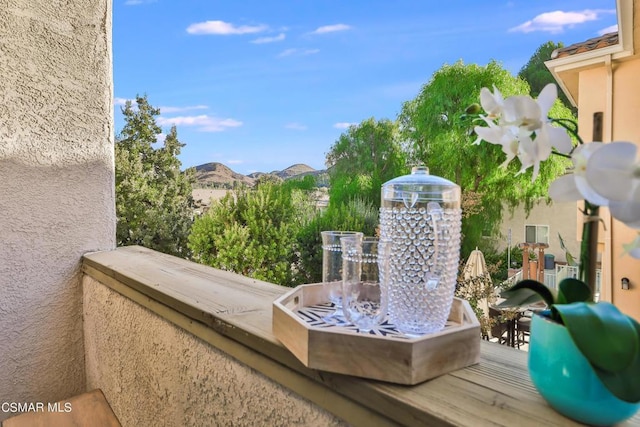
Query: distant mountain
point(221, 176)
point(256, 175)
point(295, 170)
point(218, 175)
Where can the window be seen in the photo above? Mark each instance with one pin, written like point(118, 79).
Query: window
point(536, 234)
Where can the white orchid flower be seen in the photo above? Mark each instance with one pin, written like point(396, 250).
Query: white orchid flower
point(526, 113)
point(633, 248)
point(546, 99)
point(492, 103)
point(521, 111)
point(531, 153)
point(575, 186)
point(491, 133)
point(499, 135)
point(534, 151)
point(626, 212)
point(522, 129)
point(555, 137)
point(613, 171)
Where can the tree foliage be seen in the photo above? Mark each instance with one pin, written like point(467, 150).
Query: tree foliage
point(362, 159)
point(538, 75)
point(154, 206)
point(441, 137)
point(253, 232)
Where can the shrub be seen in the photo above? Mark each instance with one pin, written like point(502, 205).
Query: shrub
point(251, 233)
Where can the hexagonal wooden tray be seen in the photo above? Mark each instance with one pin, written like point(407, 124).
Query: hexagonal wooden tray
point(383, 354)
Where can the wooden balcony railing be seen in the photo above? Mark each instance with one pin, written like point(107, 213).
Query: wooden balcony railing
point(232, 314)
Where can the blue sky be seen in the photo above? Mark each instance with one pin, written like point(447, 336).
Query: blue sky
point(261, 85)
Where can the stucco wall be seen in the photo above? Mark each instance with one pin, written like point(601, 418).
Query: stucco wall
point(56, 187)
point(619, 125)
point(626, 127)
point(156, 374)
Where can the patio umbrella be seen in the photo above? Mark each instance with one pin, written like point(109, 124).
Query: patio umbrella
point(477, 267)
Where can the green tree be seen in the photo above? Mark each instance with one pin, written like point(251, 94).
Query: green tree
point(364, 158)
point(359, 162)
point(252, 232)
point(354, 215)
point(154, 206)
point(439, 135)
point(538, 75)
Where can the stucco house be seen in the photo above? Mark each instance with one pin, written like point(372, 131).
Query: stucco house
point(598, 75)
point(543, 224)
point(601, 76)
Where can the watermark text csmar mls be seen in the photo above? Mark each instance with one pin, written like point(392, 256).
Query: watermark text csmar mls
point(19, 407)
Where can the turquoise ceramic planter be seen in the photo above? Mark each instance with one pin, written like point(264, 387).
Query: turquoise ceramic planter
point(565, 379)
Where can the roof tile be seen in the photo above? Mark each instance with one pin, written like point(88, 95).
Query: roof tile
point(606, 40)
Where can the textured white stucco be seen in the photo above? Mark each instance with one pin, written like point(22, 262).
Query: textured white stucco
point(156, 374)
point(56, 187)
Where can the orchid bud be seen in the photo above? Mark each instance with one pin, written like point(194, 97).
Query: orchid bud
point(473, 109)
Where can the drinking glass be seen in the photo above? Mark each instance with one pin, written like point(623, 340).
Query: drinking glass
point(364, 287)
point(332, 269)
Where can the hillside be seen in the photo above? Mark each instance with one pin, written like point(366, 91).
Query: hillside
point(218, 175)
point(295, 170)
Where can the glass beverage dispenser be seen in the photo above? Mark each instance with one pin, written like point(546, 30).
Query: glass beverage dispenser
point(420, 214)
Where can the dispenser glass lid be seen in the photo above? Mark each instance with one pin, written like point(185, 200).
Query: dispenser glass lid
point(420, 187)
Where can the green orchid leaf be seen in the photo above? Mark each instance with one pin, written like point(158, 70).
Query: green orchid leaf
point(624, 385)
point(570, 259)
point(605, 336)
point(519, 298)
point(526, 292)
point(573, 290)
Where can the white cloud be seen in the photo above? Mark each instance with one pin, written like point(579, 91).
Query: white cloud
point(295, 126)
point(298, 52)
point(343, 125)
point(611, 29)
point(234, 162)
point(203, 123)
point(262, 40)
point(557, 21)
point(287, 52)
point(331, 29)
point(163, 110)
point(168, 110)
point(160, 137)
point(223, 28)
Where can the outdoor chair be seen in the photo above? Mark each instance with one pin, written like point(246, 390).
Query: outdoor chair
point(523, 330)
point(499, 327)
